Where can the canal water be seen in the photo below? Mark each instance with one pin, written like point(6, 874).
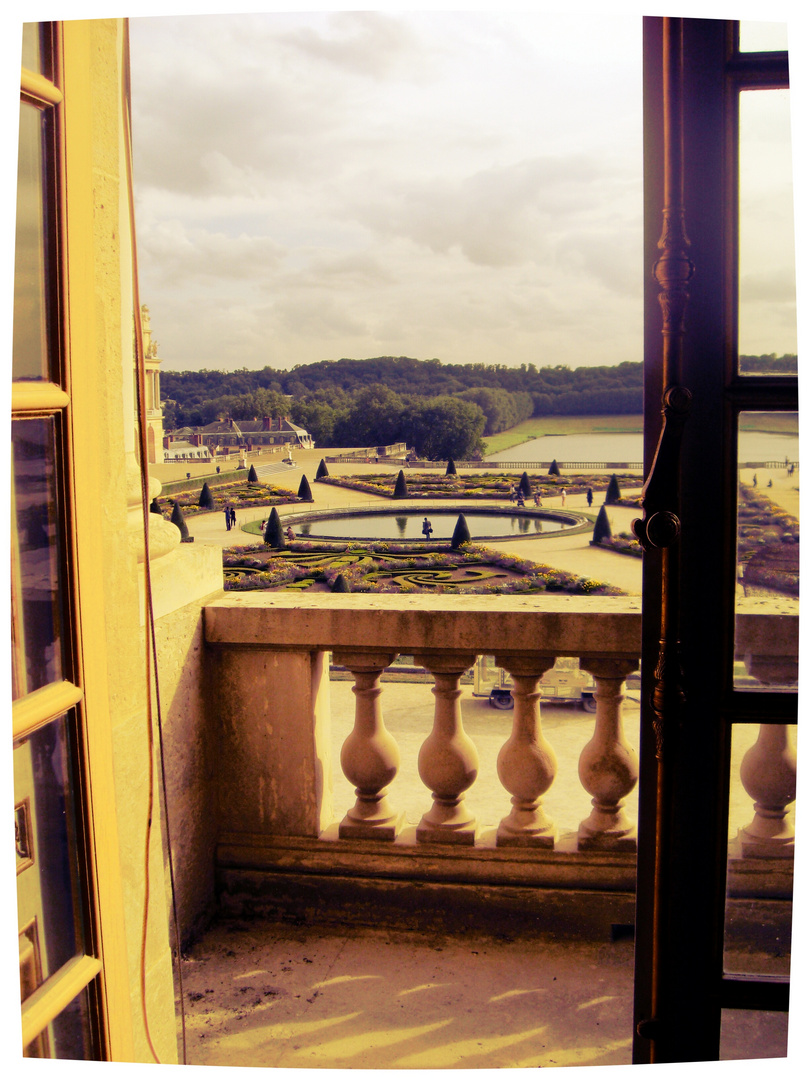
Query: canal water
point(629, 446)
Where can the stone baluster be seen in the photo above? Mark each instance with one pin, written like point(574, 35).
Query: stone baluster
point(448, 760)
point(369, 757)
point(527, 763)
point(768, 772)
point(608, 765)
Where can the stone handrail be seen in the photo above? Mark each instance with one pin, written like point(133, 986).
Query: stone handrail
point(271, 665)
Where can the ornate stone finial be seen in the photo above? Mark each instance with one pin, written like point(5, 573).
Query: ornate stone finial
point(150, 346)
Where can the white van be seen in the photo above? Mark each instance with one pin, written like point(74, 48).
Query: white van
point(566, 681)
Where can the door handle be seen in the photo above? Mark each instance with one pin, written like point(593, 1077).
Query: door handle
point(660, 525)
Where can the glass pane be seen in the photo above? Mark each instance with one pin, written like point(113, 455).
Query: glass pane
point(752, 1033)
point(31, 47)
point(37, 637)
point(761, 820)
point(69, 1037)
point(48, 897)
point(30, 349)
point(767, 597)
point(763, 36)
point(767, 311)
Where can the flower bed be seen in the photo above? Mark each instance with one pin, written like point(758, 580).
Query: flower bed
point(397, 568)
point(237, 494)
point(760, 521)
point(474, 485)
point(767, 543)
point(624, 543)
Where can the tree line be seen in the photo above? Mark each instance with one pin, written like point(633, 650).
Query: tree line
point(506, 395)
point(443, 410)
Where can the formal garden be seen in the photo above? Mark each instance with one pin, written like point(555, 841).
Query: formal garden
point(489, 485)
point(238, 494)
point(767, 542)
point(396, 568)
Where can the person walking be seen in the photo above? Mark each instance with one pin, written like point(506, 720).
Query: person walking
point(233, 518)
point(228, 518)
point(427, 528)
point(589, 496)
point(562, 497)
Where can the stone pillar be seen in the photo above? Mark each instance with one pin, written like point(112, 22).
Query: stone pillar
point(448, 760)
point(608, 765)
point(527, 763)
point(369, 756)
point(768, 771)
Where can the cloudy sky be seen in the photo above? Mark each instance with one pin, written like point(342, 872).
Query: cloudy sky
point(450, 184)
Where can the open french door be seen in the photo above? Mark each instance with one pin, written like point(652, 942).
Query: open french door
point(697, 634)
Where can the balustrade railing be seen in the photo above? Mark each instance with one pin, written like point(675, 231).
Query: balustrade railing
point(275, 755)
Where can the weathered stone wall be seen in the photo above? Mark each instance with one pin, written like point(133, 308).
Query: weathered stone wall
point(188, 714)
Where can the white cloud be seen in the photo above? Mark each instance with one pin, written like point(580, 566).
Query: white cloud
point(369, 43)
point(462, 185)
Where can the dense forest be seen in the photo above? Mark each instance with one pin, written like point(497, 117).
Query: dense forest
point(441, 409)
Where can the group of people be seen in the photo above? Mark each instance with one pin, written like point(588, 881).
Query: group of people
point(289, 534)
point(230, 517)
point(517, 496)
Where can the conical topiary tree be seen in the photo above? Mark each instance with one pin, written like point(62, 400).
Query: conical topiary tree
point(554, 468)
point(601, 529)
point(525, 487)
point(340, 584)
point(206, 498)
point(322, 470)
point(461, 534)
point(613, 494)
point(179, 520)
point(304, 490)
point(252, 475)
point(154, 508)
point(451, 468)
point(401, 488)
point(273, 533)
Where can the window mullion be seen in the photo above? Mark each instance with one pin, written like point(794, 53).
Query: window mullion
point(43, 705)
point(55, 994)
point(35, 398)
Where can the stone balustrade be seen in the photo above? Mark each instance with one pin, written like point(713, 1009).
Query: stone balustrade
point(273, 693)
point(768, 643)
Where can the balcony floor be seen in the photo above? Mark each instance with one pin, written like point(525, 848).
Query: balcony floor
point(287, 996)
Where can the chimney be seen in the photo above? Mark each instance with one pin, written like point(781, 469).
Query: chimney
point(267, 423)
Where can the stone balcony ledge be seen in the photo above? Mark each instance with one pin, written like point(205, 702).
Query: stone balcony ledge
point(562, 625)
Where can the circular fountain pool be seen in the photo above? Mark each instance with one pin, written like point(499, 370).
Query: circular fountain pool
point(406, 525)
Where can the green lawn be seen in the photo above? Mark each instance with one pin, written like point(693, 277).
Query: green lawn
point(775, 423)
point(538, 426)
